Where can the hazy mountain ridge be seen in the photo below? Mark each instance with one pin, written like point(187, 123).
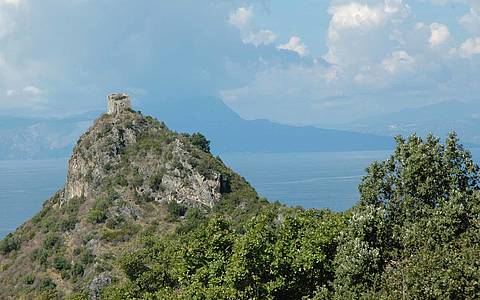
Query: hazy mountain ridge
point(37, 138)
point(33, 138)
point(439, 119)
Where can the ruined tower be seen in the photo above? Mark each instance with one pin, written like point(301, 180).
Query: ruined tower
point(118, 102)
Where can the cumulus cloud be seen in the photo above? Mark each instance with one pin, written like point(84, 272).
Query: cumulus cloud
point(361, 24)
point(150, 49)
point(471, 21)
point(439, 34)
point(397, 61)
point(357, 15)
point(354, 15)
point(261, 37)
point(242, 18)
point(380, 58)
point(26, 91)
point(295, 44)
point(470, 47)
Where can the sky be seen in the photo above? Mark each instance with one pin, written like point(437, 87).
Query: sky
point(296, 62)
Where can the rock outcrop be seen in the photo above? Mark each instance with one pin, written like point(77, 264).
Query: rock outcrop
point(101, 153)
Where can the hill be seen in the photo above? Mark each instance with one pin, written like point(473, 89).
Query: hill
point(128, 175)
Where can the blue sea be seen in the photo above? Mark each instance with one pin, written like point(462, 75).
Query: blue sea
point(311, 180)
point(24, 186)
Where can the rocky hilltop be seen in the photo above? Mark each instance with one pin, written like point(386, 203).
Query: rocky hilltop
point(129, 176)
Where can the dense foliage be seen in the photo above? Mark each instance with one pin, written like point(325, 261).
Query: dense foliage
point(413, 235)
point(279, 255)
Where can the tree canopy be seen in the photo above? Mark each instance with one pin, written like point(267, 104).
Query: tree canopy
point(414, 234)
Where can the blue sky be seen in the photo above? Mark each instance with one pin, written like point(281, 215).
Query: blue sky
point(297, 62)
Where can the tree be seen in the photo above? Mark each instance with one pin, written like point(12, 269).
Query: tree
point(415, 225)
point(199, 140)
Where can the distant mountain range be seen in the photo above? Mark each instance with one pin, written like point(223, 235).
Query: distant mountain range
point(32, 138)
point(29, 138)
point(439, 119)
point(230, 133)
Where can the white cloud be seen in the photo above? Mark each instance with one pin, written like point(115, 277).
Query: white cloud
point(261, 37)
point(35, 42)
point(470, 47)
point(7, 22)
point(362, 16)
point(11, 2)
point(439, 34)
point(30, 91)
point(295, 44)
point(242, 18)
point(471, 21)
point(383, 59)
point(398, 60)
point(355, 27)
point(355, 15)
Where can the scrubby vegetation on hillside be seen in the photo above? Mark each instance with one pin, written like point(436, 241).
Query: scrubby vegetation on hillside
point(413, 235)
point(129, 177)
point(160, 218)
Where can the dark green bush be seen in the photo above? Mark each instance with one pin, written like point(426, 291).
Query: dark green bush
point(51, 240)
point(60, 263)
point(155, 181)
point(69, 223)
point(78, 269)
point(87, 257)
point(9, 243)
point(47, 284)
point(98, 213)
point(176, 209)
point(29, 279)
point(199, 140)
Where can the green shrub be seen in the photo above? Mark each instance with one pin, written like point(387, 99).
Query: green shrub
point(29, 279)
point(40, 255)
point(50, 241)
point(194, 217)
point(155, 181)
point(79, 296)
point(47, 284)
point(122, 234)
point(120, 180)
point(9, 244)
point(198, 140)
point(78, 269)
point(98, 213)
point(87, 257)
point(60, 263)
point(69, 223)
point(176, 209)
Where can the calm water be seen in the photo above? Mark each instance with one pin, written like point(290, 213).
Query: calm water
point(24, 186)
point(311, 180)
point(319, 180)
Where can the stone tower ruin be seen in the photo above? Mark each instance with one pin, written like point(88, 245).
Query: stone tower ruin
point(118, 102)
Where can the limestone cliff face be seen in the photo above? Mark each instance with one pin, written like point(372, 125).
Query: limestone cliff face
point(168, 175)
